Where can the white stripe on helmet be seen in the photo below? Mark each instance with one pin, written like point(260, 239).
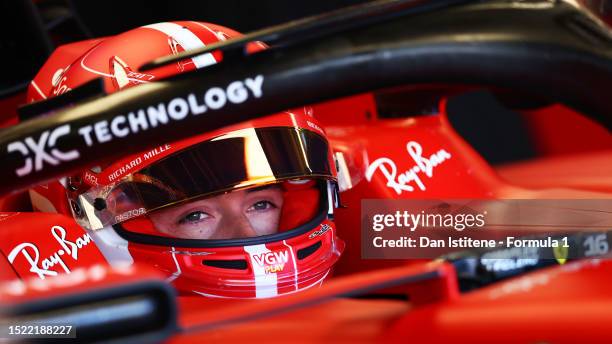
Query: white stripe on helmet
point(178, 271)
point(266, 284)
point(295, 269)
point(187, 39)
point(38, 90)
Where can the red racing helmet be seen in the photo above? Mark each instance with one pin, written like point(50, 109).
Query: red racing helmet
point(245, 211)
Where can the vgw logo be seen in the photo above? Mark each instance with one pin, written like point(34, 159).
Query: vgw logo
point(47, 140)
point(272, 261)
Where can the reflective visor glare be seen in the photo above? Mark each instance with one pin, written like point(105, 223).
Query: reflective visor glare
point(238, 159)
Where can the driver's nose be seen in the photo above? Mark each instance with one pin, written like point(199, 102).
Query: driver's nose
point(238, 224)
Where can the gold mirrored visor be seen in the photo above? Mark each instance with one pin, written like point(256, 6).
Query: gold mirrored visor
point(239, 159)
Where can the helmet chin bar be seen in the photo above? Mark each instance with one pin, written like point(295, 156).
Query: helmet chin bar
point(312, 281)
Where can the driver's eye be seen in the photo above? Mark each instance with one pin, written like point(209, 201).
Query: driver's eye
point(194, 217)
point(261, 205)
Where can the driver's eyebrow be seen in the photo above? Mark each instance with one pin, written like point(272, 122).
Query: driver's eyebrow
point(261, 188)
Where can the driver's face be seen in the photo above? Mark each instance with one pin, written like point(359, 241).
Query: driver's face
point(239, 214)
